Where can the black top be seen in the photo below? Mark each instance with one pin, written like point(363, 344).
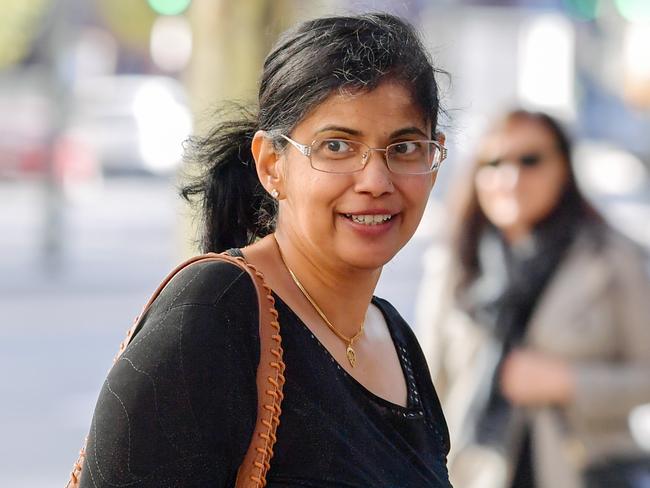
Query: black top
point(178, 408)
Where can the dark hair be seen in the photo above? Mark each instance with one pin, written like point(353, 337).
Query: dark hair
point(307, 65)
point(470, 219)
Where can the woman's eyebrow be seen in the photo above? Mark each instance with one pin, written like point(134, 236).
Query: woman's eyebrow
point(355, 132)
point(339, 128)
point(408, 131)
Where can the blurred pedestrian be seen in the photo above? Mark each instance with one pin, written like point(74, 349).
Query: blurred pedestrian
point(537, 319)
point(319, 188)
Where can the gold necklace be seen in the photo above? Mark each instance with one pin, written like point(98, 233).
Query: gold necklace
point(349, 351)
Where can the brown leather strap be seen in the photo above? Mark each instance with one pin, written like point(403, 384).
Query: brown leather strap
point(270, 376)
point(270, 380)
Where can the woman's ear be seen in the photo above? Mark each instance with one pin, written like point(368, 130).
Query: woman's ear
point(267, 162)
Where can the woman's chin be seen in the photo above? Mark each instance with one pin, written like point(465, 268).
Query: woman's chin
point(369, 258)
point(371, 246)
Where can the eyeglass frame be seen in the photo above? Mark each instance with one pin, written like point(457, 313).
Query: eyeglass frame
point(305, 150)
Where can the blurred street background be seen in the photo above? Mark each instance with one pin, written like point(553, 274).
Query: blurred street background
point(97, 96)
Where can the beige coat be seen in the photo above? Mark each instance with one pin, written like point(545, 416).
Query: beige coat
point(595, 313)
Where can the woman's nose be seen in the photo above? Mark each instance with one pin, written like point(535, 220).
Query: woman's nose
point(504, 177)
point(508, 175)
point(375, 177)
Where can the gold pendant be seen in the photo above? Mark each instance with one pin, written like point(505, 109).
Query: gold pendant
point(352, 356)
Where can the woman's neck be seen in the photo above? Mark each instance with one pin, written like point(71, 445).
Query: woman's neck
point(342, 293)
point(515, 234)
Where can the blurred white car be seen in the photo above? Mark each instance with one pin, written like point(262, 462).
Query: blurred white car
point(114, 125)
point(131, 124)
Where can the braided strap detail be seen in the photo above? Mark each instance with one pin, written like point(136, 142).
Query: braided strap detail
point(270, 381)
point(76, 468)
point(270, 376)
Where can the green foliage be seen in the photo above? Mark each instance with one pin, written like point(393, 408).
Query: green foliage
point(634, 10)
point(169, 7)
point(583, 9)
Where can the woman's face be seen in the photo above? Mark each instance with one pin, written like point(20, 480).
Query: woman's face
point(333, 216)
point(521, 176)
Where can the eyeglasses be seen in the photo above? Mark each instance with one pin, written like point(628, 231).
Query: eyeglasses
point(343, 156)
point(527, 160)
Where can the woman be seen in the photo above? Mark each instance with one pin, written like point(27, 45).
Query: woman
point(539, 321)
point(329, 180)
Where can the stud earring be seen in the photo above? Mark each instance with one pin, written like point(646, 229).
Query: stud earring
point(275, 193)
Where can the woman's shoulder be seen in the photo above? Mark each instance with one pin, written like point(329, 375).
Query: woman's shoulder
point(205, 299)
point(619, 245)
point(616, 250)
point(206, 282)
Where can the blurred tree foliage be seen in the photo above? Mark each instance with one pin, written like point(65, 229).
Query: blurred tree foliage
point(129, 20)
point(19, 28)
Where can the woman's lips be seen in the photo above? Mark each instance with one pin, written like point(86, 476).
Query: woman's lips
point(369, 219)
point(371, 223)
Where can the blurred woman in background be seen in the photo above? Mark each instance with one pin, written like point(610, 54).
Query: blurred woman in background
point(538, 321)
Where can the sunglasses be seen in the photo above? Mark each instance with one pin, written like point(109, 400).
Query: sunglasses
point(528, 160)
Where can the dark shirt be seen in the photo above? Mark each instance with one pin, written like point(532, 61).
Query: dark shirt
point(179, 406)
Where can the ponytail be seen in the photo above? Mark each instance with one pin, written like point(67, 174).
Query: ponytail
point(236, 209)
